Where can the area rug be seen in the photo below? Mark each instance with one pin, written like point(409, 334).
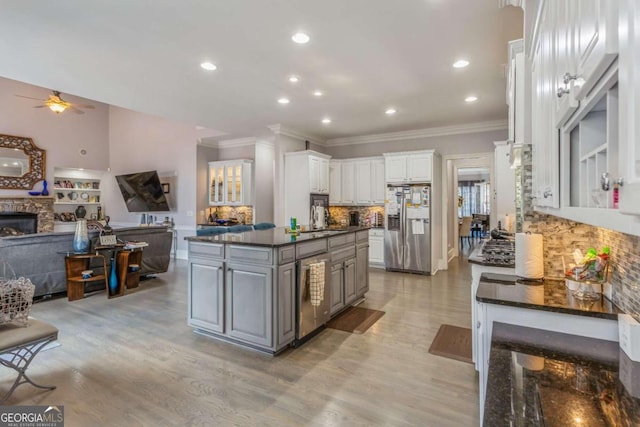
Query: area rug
point(453, 342)
point(355, 319)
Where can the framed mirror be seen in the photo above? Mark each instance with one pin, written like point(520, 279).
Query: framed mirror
point(22, 163)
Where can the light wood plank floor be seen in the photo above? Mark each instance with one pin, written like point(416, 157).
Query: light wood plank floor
point(133, 361)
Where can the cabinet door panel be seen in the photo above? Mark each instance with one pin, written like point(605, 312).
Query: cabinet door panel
point(249, 297)
point(349, 281)
point(419, 168)
point(362, 269)
point(323, 176)
point(595, 24)
point(363, 182)
point(377, 182)
point(314, 174)
point(395, 168)
point(206, 295)
point(286, 303)
point(335, 182)
point(565, 63)
point(376, 250)
point(337, 287)
point(348, 182)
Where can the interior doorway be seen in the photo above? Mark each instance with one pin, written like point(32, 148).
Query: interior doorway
point(463, 168)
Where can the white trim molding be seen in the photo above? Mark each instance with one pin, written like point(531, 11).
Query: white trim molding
point(282, 130)
point(514, 3)
point(420, 133)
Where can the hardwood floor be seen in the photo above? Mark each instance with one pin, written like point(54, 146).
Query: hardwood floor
point(133, 361)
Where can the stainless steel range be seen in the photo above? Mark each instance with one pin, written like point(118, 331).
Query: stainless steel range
point(499, 251)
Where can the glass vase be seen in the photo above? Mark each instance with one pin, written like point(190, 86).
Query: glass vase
point(81, 237)
point(113, 278)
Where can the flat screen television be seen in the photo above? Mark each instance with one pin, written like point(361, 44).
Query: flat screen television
point(142, 192)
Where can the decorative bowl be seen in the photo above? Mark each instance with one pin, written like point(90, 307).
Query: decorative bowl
point(134, 267)
point(86, 274)
point(35, 193)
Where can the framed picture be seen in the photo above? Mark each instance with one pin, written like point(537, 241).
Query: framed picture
point(166, 188)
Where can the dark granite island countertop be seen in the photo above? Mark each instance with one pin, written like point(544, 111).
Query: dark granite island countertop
point(274, 237)
point(548, 295)
point(538, 377)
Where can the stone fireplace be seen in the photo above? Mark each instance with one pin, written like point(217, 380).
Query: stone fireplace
point(41, 206)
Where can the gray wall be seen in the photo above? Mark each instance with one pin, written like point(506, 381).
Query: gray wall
point(481, 142)
point(204, 155)
point(264, 182)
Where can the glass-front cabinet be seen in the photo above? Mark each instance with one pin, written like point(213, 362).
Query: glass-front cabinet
point(230, 182)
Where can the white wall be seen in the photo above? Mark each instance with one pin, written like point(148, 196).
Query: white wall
point(63, 135)
point(140, 142)
point(204, 155)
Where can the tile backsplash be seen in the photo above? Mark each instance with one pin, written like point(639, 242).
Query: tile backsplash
point(561, 237)
point(341, 213)
point(244, 214)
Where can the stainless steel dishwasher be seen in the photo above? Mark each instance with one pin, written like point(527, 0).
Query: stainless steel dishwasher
point(313, 294)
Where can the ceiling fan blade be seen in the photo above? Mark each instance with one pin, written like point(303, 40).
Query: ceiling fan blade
point(84, 106)
point(75, 110)
point(29, 97)
point(40, 106)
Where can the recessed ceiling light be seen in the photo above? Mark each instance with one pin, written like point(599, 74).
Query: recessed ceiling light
point(461, 63)
point(326, 120)
point(208, 66)
point(294, 79)
point(300, 38)
point(283, 101)
point(390, 111)
point(15, 163)
point(317, 93)
point(5, 164)
point(471, 99)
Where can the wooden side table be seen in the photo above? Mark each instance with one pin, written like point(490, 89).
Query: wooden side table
point(75, 264)
point(126, 277)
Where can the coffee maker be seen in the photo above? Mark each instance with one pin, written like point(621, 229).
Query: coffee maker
point(319, 216)
point(354, 218)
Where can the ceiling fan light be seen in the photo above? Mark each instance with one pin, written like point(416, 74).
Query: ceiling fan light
point(57, 108)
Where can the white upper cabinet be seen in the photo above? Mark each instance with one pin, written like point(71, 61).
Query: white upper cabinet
point(318, 174)
point(378, 186)
point(348, 182)
point(357, 181)
point(335, 182)
point(595, 32)
point(230, 183)
point(565, 62)
point(629, 93)
point(363, 182)
point(515, 91)
point(408, 167)
point(395, 168)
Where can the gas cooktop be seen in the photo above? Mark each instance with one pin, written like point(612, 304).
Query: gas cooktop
point(499, 251)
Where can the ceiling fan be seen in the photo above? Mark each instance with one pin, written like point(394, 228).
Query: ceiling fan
point(56, 104)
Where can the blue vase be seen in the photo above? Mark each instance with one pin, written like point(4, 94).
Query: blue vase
point(45, 192)
point(113, 278)
point(81, 237)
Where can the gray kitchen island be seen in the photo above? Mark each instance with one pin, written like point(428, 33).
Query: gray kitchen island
point(253, 288)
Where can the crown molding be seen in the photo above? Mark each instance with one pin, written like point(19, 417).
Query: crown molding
point(282, 130)
point(515, 3)
point(420, 133)
point(230, 143)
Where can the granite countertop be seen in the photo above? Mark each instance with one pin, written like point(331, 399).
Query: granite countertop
point(547, 295)
point(539, 377)
point(476, 258)
point(273, 237)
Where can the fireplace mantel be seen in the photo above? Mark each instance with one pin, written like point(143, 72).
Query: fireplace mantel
point(40, 205)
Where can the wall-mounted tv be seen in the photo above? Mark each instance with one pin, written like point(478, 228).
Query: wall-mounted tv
point(142, 192)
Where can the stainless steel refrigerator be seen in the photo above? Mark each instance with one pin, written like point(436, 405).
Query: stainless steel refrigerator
point(407, 235)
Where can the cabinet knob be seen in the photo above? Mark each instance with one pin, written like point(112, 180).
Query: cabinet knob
point(560, 92)
point(547, 194)
point(567, 77)
point(619, 182)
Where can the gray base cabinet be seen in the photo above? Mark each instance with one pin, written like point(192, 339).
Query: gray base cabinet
point(206, 294)
point(286, 308)
point(362, 269)
point(350, 281)
point(249, 296)
point(337, 287)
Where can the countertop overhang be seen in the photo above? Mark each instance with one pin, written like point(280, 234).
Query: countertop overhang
point(273, 237)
